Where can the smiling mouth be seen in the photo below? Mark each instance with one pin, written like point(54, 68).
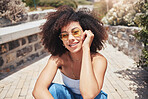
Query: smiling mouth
point(72, 45)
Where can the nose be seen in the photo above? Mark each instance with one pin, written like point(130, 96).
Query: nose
point(71, 37)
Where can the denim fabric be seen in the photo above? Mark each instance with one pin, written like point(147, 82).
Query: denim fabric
point(59, 91)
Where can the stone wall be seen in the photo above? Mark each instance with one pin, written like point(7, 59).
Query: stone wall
point(31, 16)
point(123, 39)
point(21, 44)
point(19, 52)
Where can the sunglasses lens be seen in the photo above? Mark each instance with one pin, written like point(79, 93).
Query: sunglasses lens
point(64, 36)
point(76, 32)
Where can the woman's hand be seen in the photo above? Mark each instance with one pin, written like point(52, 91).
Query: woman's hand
point(87, 38)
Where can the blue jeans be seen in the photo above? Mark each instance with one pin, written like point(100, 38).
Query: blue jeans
point(59, 91)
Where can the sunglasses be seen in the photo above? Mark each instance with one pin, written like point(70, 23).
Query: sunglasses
point(76, 32)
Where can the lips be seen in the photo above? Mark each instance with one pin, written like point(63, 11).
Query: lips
point(73, 44)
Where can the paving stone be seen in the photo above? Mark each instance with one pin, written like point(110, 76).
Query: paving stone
point(122, 85)
point(130, 95)
point(35, 75)
point(21, 97)
point(15, 82)
point(110, 87)
point(29, 94)
point(16, 93)
point(32, 84)
point(116, 95)
point(7, 98)
point(120, 80)
point(10, 91)
point(118, 88)
point(24, 92)
point(110, 96)
point(20, 84)
point(3, 94)
point(29, 97)
point(7, 87)
point(1, 90)
point(120, 91)
point(25, 89)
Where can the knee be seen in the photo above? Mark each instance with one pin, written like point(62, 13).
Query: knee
point(56, 89)
point(59, 91)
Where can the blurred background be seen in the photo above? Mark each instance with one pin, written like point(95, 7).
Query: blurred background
point(130, 13)
point(125, 21)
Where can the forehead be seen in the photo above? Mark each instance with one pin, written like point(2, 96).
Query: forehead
point(70, 26)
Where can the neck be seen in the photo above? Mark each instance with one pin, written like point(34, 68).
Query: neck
point(75, 57)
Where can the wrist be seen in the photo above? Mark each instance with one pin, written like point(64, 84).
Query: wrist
point(86, 48)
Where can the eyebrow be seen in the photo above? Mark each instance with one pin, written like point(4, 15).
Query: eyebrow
point(71, 30)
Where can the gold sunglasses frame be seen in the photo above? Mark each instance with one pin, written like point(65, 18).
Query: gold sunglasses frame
point(71, 34)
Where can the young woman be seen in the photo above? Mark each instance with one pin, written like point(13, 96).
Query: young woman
point(73, 38)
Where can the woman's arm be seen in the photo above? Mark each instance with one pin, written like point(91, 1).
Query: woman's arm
point(92, 72)
point(45, 79)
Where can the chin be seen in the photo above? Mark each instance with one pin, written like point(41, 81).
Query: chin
point(75, 50)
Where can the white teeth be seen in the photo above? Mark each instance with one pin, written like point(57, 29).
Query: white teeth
point(72, 44)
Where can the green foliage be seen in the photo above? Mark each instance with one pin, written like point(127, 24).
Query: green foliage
point(100, 8)
point(84, 2)
point(30, 3)
point(57, 3)
point(132, 13)
point(142, 22)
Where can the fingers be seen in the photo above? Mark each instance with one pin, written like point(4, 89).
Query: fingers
point(88, 33)
point(87, 38)
point(83, 35)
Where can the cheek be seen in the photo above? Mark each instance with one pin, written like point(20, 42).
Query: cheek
point(80, 39)
point(65, 44)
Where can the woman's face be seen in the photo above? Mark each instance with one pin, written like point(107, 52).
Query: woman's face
point(71, 35)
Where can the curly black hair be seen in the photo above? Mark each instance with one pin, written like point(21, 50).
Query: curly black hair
point(61, 17)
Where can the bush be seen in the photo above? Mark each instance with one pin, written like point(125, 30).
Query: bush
point(13, 10)
point(132, 13)
point(31, 3)
point(57, 3)
point(84, 2)
point(142, 21)
point(100, 8)
point(124, 12)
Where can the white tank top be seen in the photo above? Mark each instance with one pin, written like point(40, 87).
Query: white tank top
point(72, 84)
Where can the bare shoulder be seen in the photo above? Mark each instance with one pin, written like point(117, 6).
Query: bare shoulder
point(59, 60)
point(99, 59)
point(56, 60)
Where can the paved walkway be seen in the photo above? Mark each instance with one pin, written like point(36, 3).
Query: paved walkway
point(122, 80)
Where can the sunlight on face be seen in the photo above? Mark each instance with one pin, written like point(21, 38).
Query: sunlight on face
point(71, 36)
